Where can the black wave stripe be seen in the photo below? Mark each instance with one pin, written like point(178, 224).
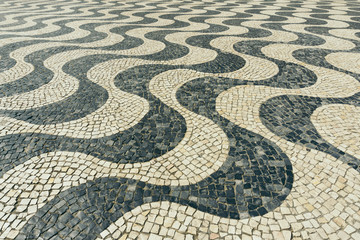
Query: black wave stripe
point(4, 16)
point(92, 37)
point(208, 12)
point(56, 9)
point(161, 129)
point(69, 108)
point(308, 21)
point(176, 23)
point(20, 21)
point(85, 211)
point(38, 77)
point(357, 34)
point(258, 156)
point(84, 101)
point(127, 43)
point(158, 8)
point(62, 31)
point(213, 28)
point(143, 142)
point(5, 61)
point(96, 12)
point(324, 15)
point(317, 56)
point(290, 75)
point(324, 31)
point(256, 177)
point(41, 75)
point(88, 98)
point(303, 38)
point(224, 62)
point(77, 9)
point(289, 117)
point(39, 25)
point(252, 32)
point(307, 40)
point(277, 19)
point(171, 50)
point(144, 20)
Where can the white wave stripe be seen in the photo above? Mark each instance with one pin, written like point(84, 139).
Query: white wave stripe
point(173, 168)
point(10, 19)
point(60, 87)
point(345, 33)
point(253, 97)
point(121, 111)
point(22, 68)
point(304, 213)
point(304, 199)
point(342, 17)
point(339, 124)
point(332, 43)
point(116, 105)
point(345, 60)
point(315, 201)
point(34, 6)
point(196, 55)
point(51, 27)
point(79, 33)
point(192, 58)
point(30, 21)
point(328, 84)
point(255, 68)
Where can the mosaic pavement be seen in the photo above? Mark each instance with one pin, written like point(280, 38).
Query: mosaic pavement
point(179, 119)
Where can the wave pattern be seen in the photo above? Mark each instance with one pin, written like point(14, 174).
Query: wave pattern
point(179, 119)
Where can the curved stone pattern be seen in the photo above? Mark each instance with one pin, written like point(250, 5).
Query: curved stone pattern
point(301, 214)
point(297, 127)
point(339, 125)
point(178, 119)
point(347, 61)
point(312, 172)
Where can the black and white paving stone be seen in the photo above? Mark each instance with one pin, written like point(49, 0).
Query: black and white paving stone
point(159, 119)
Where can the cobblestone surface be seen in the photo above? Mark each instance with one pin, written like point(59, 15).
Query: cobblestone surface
point(182, 120)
